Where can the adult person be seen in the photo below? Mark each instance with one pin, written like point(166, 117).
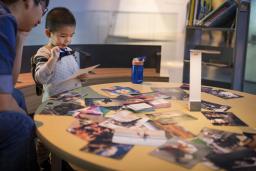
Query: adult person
point(17, 130)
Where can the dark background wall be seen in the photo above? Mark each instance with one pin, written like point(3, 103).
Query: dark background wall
point(108, 56)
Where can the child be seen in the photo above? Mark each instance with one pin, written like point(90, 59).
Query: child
point(17, 130)
point(55, 61)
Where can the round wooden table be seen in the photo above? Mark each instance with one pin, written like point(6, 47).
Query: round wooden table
point(51, 129)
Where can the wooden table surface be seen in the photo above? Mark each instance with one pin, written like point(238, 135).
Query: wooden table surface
point(26, 80)
point(51, 130)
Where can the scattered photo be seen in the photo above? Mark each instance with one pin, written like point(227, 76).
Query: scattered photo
point(88, 130)
point(141, 98)
point(140, 107)
point(99, 139)
point(91, 110)
point(203, 88)
point(181, 152)
point(124, 119)
point(214, 106)
point(139, 136)
point(241, 160)
point(224, 94)
point(70, 96)
point(160, 103)
point(173, 93)
point(105, 148)
point(151, 96)
point(60, 109)
point(119, 90)
point(173, 129)
point(222, 141)
point(111, 104)
point(170, 117)
point(223, 118)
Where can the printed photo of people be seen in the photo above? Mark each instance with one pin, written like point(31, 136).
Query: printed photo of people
point(223, 118)
point(224, 94)
point(170, 117)
point(111, 104)
point(222, 142)
point(60, 108)
point(173, 129)
point(70, 96)
point(98, 139)
point(181, 152)
point(173, 93)
point(214, 106)
point(120, 90)
point(104, 147)
point(203, 88)
point(241, 160)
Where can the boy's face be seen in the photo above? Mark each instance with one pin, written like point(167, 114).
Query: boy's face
point(32, 15)
point(62, 37)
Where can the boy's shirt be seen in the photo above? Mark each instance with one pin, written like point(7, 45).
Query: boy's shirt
point(64, 68)
point(8, 31)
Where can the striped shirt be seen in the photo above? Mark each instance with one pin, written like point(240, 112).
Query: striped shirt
point(49, 77)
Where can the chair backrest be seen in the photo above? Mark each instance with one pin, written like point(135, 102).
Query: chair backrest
point(39, 86)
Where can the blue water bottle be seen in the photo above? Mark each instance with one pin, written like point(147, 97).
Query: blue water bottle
point(137, 70)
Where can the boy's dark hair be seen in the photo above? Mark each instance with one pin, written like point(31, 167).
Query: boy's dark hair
point(36, 2)
point(59, 17)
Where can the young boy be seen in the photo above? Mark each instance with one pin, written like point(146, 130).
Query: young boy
point(55, 61)
point(17, 130)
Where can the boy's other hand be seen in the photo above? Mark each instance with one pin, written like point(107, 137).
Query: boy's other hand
point(83, 77)
point(55, 53)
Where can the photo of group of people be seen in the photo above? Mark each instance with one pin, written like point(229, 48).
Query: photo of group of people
point(182, 152)
point(120, 90)
point(98, 139)
point(173, 92)
point(214, 106)
point(216, 92)
point(223, 118)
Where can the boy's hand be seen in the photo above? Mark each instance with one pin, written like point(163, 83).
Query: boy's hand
point(83, 77)
point(55, 53)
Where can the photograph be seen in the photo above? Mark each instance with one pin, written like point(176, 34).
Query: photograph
point(116, 123)
point(223, 118)
point(139, 136)
point(60, 108)
point(111, 104)
point(160, 103)
point(223, 94)
point(105, 148)
point(203, 88)
point(214, 106)
point(70, 96)
point(170, 117)
point(140, 107)
point(184, 153)
point(89, 130)
point(173, 129)
point(91, 110)
point(222, 141)
point(173, 93)
point(119, 90)
point(151, 96)
point(241, 160)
